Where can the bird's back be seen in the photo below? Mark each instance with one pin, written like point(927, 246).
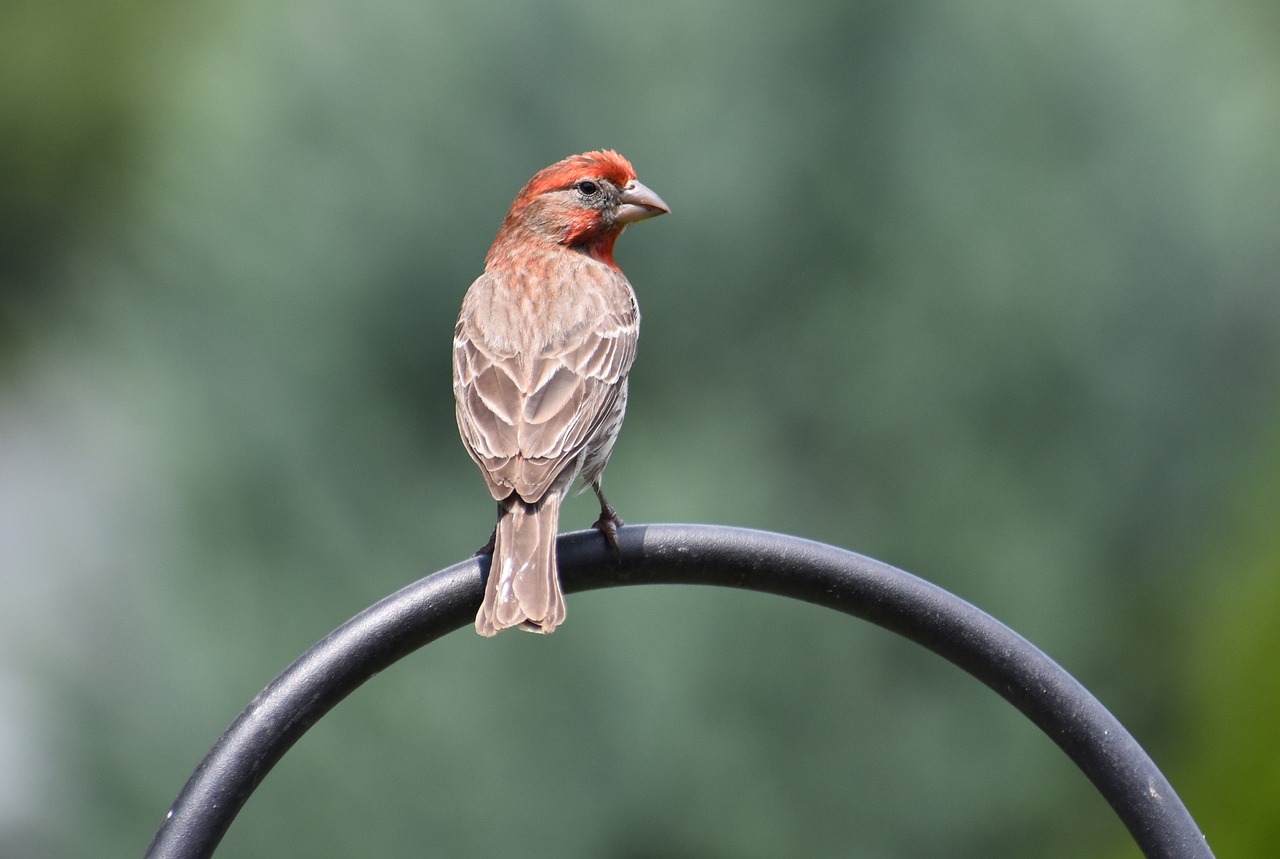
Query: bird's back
point(531, 398)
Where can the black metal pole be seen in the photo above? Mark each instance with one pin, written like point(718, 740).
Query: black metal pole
point(689, 554)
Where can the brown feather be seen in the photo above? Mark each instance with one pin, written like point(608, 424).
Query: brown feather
point(523, 588)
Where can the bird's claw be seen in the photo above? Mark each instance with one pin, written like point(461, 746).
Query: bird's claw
point(608, 525)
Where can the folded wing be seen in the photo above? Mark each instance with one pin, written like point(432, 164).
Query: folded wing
point(526, 418)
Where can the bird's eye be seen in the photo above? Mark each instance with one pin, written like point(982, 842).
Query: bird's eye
point(587, 188)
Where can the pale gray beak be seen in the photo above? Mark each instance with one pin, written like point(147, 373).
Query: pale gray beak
point(638, 203)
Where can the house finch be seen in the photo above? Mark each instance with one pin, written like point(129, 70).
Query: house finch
point(541, 352)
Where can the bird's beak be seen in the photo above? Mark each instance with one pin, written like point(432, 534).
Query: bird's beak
point(638, 203)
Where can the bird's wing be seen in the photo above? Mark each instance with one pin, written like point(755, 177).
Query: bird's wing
point(526, 417)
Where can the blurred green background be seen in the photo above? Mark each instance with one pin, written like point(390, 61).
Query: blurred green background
point(985, 289)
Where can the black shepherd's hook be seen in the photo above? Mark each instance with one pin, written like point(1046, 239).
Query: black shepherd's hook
point(689, 554)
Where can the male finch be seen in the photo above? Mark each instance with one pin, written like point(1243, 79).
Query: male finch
point(541, 352)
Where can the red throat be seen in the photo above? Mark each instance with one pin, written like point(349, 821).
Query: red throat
point(601, 248)
point(586, 233)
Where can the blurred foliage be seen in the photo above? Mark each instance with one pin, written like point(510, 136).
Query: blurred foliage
point(984, 289)
point(76, 83)
point(1232, 689)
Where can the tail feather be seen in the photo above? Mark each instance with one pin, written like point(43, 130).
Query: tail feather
point(524, 586)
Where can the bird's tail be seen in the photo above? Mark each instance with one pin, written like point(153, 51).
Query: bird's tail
point(524, 587)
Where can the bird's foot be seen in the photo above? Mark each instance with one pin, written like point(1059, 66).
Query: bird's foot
point(608, 525)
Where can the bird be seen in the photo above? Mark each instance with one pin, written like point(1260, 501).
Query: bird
point(543, 344)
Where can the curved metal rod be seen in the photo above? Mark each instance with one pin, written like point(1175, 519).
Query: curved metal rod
point(689, 554)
